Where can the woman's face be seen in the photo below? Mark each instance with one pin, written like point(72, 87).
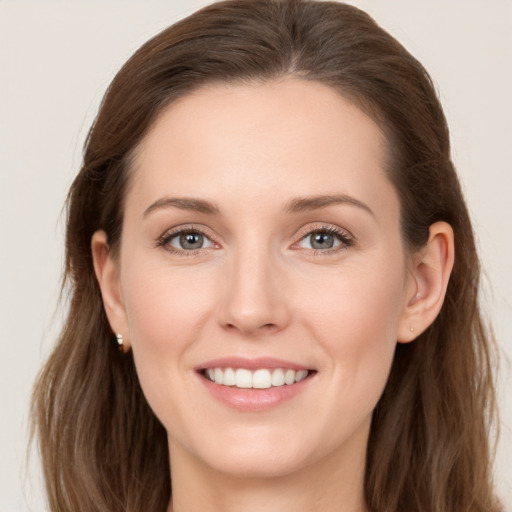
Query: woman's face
point(261, 243)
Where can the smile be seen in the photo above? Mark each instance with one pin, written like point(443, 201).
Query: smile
point(261, 378)
point(255, 384)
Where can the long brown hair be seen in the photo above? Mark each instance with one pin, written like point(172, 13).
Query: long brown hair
point(102, 447)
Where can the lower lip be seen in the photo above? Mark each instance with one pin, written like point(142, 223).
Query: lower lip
point(254, 399)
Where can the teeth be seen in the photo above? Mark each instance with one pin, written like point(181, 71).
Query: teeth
point(219, 376)
point(278, 377)
point(289, 377)
point(229, 377)
point(243, 378)
point(259, 379)
point(301, 375)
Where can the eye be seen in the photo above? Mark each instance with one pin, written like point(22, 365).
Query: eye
point(189, 241)
point(325, 239)
point(321, 240)
point(186, 240)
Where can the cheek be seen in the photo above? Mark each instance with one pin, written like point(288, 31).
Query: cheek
point(164, 308)
point(355, 320)
point(166, 312)
point(356, 301)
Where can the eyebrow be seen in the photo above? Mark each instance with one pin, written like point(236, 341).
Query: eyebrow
point(301, 204)
point(296, 205)
point(189, 203)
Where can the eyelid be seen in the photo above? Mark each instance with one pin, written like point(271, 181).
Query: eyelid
point(169, 234)
point(346, 238)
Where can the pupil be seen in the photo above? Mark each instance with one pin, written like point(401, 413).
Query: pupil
point(322, 241)
point(191, 240)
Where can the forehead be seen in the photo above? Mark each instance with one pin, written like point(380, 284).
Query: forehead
point(290, 136)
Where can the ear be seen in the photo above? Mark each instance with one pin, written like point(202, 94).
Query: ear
point(429, 274)
point(106, 269)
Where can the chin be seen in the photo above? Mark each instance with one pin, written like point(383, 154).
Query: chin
point(259, 465)
point(262, 452)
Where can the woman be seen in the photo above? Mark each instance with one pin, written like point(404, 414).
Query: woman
point(266, 206)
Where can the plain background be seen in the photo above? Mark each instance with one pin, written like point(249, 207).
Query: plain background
point(56, 60)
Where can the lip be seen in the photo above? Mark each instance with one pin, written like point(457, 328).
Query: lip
point(251, 363)
point(253, 400)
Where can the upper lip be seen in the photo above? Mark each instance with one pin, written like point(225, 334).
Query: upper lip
point(251, 363)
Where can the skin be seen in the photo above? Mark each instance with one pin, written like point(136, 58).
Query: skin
point(258, 288)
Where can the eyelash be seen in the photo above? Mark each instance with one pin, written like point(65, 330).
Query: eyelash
point(165, 239)
point(346, 239)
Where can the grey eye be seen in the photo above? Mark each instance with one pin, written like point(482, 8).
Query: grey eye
point(189, 241)
point(322, 240)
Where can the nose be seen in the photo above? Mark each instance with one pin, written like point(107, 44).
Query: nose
point(253, 295)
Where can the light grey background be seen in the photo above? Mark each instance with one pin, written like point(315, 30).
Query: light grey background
point(57, 58)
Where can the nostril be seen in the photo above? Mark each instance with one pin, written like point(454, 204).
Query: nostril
point(252, 329)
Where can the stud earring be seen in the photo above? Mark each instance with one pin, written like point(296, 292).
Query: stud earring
point(119, 338)
point(411, 329)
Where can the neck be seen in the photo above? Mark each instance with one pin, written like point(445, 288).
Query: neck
point(333, 484)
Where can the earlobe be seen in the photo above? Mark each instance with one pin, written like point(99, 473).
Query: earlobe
point(429, 275)
point(106, 269)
